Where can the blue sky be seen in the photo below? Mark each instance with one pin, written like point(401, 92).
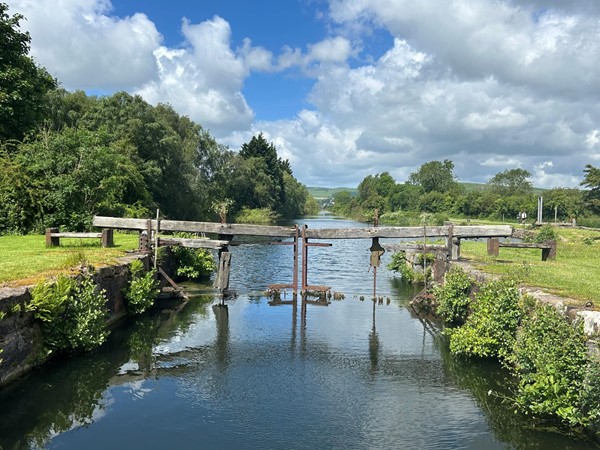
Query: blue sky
point(348, 88)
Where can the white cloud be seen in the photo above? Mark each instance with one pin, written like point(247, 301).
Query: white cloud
point(86, 48)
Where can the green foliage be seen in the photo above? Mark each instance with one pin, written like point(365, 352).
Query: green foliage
point(257, 215)
point(23, 85)
point(400, 264)
point(511, 182)
point(435, 176)
point(550, 359)
point(546, 233)
point(490, 329)
point(592, 182)
point(142, 290)
point(453, 296)
point(72, 313)
point(193, 264)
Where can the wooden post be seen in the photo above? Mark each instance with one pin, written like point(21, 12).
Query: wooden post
point(493, 247)
point(107, 237)
point(50, 240)
point(450, 241)
point(439, 267)
point(223, 274)
point(455, 248)
point(549, 253)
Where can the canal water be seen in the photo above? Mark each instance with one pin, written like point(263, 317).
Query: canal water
point(347, 374)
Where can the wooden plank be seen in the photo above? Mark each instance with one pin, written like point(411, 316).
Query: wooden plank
point(193, 243)
point(523, 245)
point(460, 232)
point(172, 283)
point(195, 227)
point(76, 235)
point(121, 223)
point(413, 246)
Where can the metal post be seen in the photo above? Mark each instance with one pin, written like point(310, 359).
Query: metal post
point(295, 281)
point(304, 259)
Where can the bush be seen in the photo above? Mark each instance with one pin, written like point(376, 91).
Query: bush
point(142, 290)
point(490, 329)
point(454, 297)
point(193, 264)
point(72, 313)
point(546, 233)
point(258, 215)
point(550, 359)
point(401, 265)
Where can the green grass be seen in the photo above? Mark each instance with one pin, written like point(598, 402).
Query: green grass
point(26, 259)
point(575, 273)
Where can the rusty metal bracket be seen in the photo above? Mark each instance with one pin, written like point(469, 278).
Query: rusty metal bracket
point(305, 244)
point(294, 284)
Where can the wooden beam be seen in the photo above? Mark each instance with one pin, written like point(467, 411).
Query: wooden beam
point(67, 234)
point(193, 243)
point(414, 247)
point(195, 227)
point(460, 232)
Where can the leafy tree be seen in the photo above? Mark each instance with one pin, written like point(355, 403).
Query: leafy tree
point(592, 182)
point(568, 202)
point(435, 176)
point(511, 182)
point(23, 85)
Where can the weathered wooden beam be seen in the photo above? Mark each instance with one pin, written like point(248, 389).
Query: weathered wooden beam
point(523, 245)
point(460, 232)
point(195, 227)
point(414, 247)
point(67, 234)
point(210, 244)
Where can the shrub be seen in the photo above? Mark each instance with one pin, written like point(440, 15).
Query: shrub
point(72, 313)
point(546, 233)
point(193, 264)
point(454, 297)
point(550, 359)
point(142, 290)
point(490, 329)
point(400, 264)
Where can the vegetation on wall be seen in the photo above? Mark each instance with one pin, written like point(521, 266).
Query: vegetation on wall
point(72, 312)
point(142, 290)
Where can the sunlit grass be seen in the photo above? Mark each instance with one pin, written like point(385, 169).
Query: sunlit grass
point(26, 259)
point(575, 273)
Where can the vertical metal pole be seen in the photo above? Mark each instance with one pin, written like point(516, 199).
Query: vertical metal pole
point(295, 281)
point(304, 258)
point(425, 255)
point(156, 238)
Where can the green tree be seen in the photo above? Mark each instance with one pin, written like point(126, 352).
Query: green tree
point(592, 182)
point(568, 202)
point(435, 176)
point(511, 182)
point(23, 85)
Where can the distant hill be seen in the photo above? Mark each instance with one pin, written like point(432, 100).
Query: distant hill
point(322, 193)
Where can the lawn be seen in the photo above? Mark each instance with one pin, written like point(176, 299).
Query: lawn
point(575, 273)
point(26, 259)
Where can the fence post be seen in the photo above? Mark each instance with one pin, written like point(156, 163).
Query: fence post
point(107, 237)
point(52, 241)
point(493, 247)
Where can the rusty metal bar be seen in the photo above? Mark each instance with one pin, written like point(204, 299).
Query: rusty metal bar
point(294, 284)
point(305, 244)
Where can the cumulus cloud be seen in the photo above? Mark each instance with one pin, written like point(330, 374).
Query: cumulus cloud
point(85, 47)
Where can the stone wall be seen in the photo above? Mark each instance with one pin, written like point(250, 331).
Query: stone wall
point(20, 334)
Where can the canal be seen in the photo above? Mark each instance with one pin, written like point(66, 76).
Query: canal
point(257, 374)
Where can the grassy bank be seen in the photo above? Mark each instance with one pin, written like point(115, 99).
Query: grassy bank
point(26, 259)
point(575, 273)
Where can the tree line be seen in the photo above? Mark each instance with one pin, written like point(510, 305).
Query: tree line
point(434, 190)
point(66, 156)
